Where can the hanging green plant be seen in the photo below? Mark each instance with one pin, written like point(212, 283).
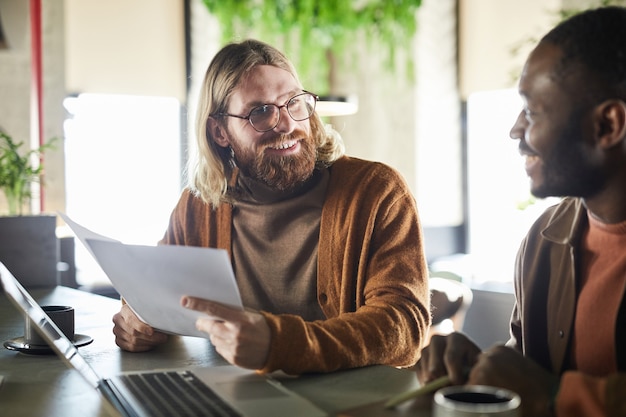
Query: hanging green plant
point(309, 30)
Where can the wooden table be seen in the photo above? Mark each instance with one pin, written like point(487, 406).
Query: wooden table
point(42, 385)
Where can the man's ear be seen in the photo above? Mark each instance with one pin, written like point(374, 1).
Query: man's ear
point(217, 132)
point(611, 123)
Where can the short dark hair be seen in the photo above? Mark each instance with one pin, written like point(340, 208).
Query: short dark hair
point(595, 39)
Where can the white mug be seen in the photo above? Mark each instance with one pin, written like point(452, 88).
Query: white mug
point(474, 401)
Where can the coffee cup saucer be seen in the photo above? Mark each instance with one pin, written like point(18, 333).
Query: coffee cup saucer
point(19, 345)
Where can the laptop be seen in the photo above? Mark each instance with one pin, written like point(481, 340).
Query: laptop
point(210, 391)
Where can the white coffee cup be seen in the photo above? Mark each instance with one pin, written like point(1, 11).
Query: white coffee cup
point(474, 401)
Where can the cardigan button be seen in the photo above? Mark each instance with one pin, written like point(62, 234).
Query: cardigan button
point(561, 334)
point(323, 298)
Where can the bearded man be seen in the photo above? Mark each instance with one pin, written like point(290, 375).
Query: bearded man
point(567, 352)
point(327, 249)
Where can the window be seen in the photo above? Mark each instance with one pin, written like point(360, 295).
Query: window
point(123, 169)
point(500, 206)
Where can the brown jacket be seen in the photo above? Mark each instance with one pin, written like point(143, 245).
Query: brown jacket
point(545, 285)
point(372, 273)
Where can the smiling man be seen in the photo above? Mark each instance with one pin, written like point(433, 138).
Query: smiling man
point(327, 250)
point(567, 352)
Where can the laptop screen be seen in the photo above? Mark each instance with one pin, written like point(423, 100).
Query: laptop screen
point(45, 326)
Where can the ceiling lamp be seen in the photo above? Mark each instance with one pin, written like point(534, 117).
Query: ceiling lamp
point(337, 105)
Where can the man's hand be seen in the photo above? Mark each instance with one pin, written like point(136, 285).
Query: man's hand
point(241, 337)
point(504, 367)
point(452, 355)
point(134, 335)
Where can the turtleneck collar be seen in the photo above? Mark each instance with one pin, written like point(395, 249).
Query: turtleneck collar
point(252, 190)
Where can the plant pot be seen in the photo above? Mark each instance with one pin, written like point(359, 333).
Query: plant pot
point(29, 249)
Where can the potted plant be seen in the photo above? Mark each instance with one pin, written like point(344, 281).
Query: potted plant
point(28, 243)
point(17, 172)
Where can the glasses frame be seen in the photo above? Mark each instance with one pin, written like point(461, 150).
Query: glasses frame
point(286, 105)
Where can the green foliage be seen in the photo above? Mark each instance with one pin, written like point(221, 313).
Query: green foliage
point(530, 201)
point(17, 171)
point(308, 30)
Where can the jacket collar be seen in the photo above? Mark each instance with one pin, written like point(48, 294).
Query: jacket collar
point(564, 229)
point(565, 226)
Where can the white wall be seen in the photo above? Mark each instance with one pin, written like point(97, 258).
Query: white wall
point(489, 33)
point(125, 47)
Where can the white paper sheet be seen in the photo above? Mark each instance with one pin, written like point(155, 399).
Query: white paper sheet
point(152, 279)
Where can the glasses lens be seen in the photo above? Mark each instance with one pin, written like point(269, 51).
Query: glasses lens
point(301, 107)
point(264, 117)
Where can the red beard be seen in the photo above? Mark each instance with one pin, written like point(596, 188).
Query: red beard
point(279, 172)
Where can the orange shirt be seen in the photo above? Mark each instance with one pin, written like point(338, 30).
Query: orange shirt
point(603, 273)
point(603, 278)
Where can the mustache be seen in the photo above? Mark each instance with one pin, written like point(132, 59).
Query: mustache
point(524, 149)
point(282, 138)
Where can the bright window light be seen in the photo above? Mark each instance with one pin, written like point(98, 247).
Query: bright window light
point(501, 208)
point(123, 169)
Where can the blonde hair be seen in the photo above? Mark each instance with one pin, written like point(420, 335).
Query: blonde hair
point(207, 174)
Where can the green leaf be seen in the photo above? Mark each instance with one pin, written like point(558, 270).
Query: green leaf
point(17, 171)
point(308, 29)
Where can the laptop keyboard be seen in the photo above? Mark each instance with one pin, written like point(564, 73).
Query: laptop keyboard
point(176, 394)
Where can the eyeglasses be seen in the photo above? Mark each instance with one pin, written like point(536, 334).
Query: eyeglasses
point(267, 116)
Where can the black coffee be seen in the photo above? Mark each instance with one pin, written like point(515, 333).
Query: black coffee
point(477, 398)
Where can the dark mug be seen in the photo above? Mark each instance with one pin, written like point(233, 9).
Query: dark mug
point(475, 400)
point(62, 316)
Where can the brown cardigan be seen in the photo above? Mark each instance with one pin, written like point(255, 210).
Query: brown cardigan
point(372, 273)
